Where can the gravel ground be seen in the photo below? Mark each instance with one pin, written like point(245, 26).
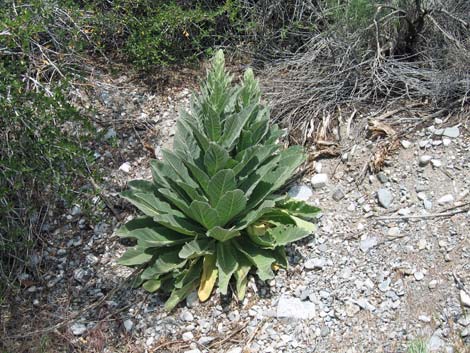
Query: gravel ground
point(389, 265)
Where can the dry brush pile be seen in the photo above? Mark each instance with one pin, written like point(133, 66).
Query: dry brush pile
point(384, 54)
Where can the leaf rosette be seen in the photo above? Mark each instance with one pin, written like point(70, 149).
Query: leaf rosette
point(211, 212)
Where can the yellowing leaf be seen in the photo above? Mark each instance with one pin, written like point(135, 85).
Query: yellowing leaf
point(208, 278)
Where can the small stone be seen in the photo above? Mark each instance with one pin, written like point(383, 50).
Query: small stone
point(464, 298)
point(111, 133)
point(351, 207)
point(325, 331)
point(436, 163)
point(92, 259)
point(423, 143)
point(384, 285)
point(422, 196)
point(192, 300)
point(435, 343)
point(318, 167)
point(187, 336)
point(125, 167)
point(383, 178)
point(315, 264)
point(186, 316)
point(205, 340)
point(424, 160)
point(404, 211)
point(294, 308)
point(446, 141)
point(128, 325)
point(234, 316)
point(445, 199)
point(319, 180)
point(418, 275)
point(368, 243)
point(385, 197)
point(465, 332)
point(76, 210)
point(352, 309)
point(427, 204)
point(300, 192)
point(235, 350)
point(338, 195)
point(394, 233)
point(424, 318)
point(451, 132)
point(405, 144)
point(78, 329)
point(432, 284)
point(422, 244)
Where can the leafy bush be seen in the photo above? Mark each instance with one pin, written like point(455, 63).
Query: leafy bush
point(153, 34)
point(211, 209)
point(41, 134)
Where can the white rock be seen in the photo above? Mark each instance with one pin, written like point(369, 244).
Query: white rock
point(464, 298)
point(319, 180)
point(76, 210)
point(125, 167)
point(235, 350)
point(186, 316)
point(300, 192)
point(314, 264)
point(432, 284)
point(318, 167)
point(192, 300)
point(405, 144)
point(111, 133)
point(187, 336)
point(452, 132)
point(424, 160)
point(205, 340)
point(436, 163)
point(446, 199)
point(424, 318)
point(446, 141)
point(385, 197)
point(78, 329)
point(422, 244)
point(435, 343)
point(128, 325)
point(368, 243)
point(394, 233)
point(294, 308)
point(418, 275)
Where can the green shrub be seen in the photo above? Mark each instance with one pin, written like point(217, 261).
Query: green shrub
point(42, 136)
point(211, 211)
point(153, 34)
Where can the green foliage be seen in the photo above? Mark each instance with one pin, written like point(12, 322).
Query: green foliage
point(152, 34)
point(417, 346)
point(211, 211)
point(42, 136)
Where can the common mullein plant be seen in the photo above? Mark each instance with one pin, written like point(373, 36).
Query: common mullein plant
point(212, 213)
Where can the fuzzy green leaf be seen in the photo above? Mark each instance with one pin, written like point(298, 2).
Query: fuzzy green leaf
point(262, 259)
point(215, 158)
point(226, 263)
point(197, 248)
point(222, 234)
point(220, 183)
point(204, 214)
point(135, 256)
point(230, 205)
